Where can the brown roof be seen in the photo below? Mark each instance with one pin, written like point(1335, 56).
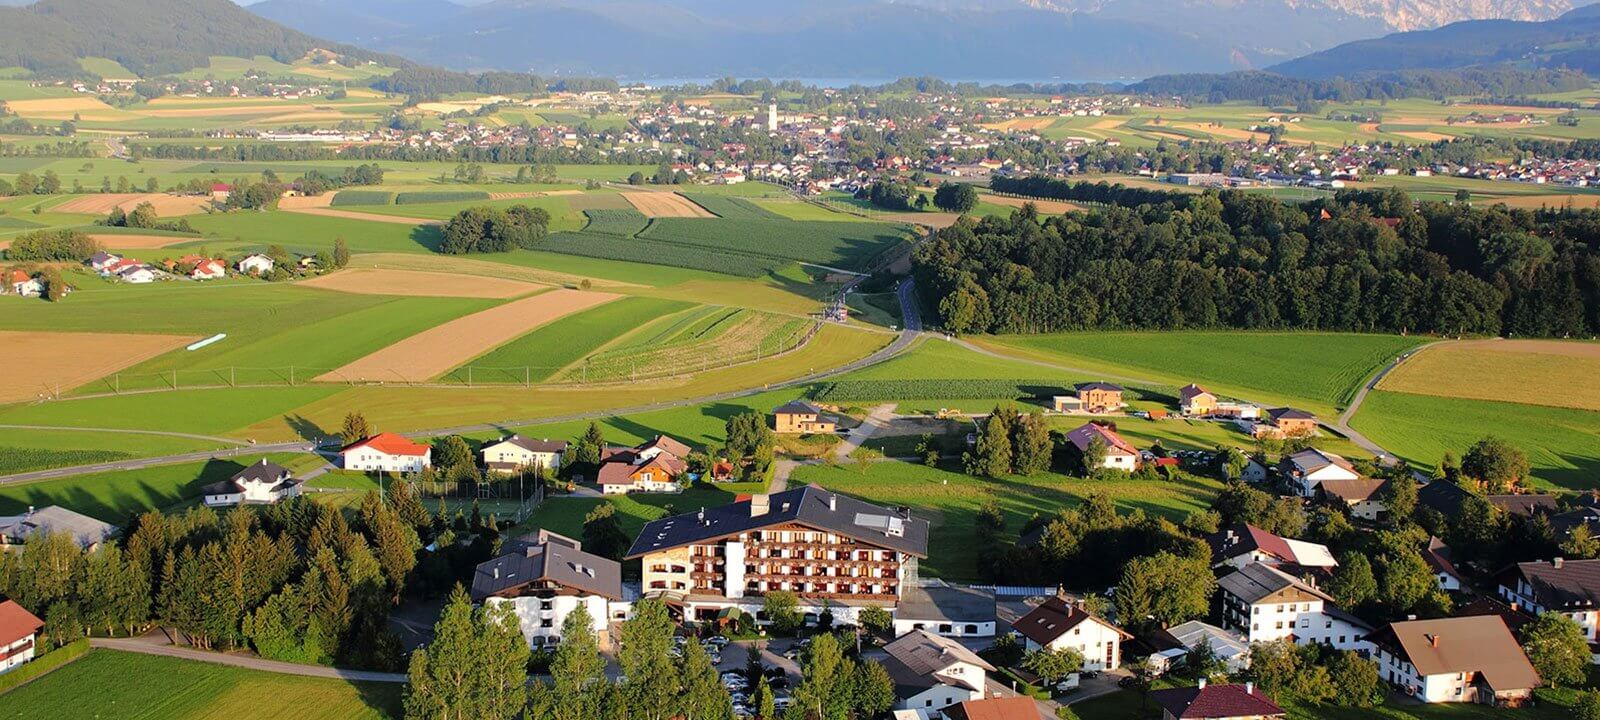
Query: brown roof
point(1006, 708)
point(1191, 391)
point(1216, 701)
point(1054, 618)
point(16, 622)
point(668, 444)
point(1353, 491)
point(1476, 644)
point(1085, 433)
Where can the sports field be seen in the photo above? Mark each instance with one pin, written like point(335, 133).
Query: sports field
point(1536, 372)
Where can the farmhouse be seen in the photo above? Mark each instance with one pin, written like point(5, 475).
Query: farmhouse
point(801, 417)
point(256, 264)
point(1363, 497)
point(209, 270)
point(1244, 544)
point(102, 260)
point(19, 629)
point(263, 483)
point(1120, 454)
point(932, 673)
point(652, 467)
point(221, 191)
point(1100, 397)
point(1216, 702)
point(1058, 625)
point(1286, 422)
point(545, 577)
point(386, 452)
point(1470, 659)
point(1194, 400)
point(1266, 604)
point(136, 275)
point(946, 610)
point(1568, 587)
point(853, 554)
point(89, 532)
point(515, 453)
point(1307, 469)
point(22, 284)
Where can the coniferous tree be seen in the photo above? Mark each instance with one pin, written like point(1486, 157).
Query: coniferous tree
point(653, 680)
point(703, 696)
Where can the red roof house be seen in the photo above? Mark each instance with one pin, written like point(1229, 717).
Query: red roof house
point(1215, 702)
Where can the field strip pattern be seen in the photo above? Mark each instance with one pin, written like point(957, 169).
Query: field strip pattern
point(165, 205)
point(419, 283)
point(47, 363)
point(1552, 373)
point(369, 217)
point(434, 352)
point(138, 242)
point(665, 204)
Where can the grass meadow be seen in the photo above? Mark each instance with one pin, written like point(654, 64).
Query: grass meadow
point(118, 495)
point(552, 347)
point(106, 683)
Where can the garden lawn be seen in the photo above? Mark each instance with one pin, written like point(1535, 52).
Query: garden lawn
point(547, 349)
point(1315, 371)
point(1563, 445)
point(950, 501)
point(132, 686)
point(117, 496)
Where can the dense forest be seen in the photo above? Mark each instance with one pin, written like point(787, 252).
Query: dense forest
point(1362, 261)
point(1274, 90)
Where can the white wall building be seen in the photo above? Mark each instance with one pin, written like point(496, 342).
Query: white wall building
point(1266, 604)
point(261, 483)
point(1472, 659)
point(545, 577)
point(931, 673)
point(386, 452)
point(1058, 625)
point(19, 629)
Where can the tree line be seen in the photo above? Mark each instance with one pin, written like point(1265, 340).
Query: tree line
point(1368, 261)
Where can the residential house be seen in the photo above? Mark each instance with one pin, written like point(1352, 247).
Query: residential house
point(1307, 469)
point(1362, 497)
point(946, 610)
point(1174, 644)
point(932, 673)
point(137, 275)
point(834, 552)
point(652, 467)
point(1120, 454)
point(209, 269)
point(22, 284)
point(1194, 400)
point(221, 191)
point(1100, 397)
point(19, 629)
point(800, 416)
point(256, 264)
point(263, 483)
point(1244, 544)
point(1445, 497)
point(516, 453)
point(102, 260)
point(1018, 707)
point(89, 532)
point(1265, 604)
point(545, 577)
point(1286, 422)
point(1206, 701)
point(1438, 556)
point(1568, 587)
point(1066, 404)
point(1472, 659)
point(1059, 625)
point(386, 452)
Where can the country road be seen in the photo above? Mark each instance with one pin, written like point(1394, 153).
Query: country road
point(908, 307)
point(1342, 424)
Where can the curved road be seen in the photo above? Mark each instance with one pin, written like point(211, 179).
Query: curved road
point(1342, 424)
point(908, 309)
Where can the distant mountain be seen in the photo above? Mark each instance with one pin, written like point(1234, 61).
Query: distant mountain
point(149, 37)
point(354, 21)
point(1562, 42)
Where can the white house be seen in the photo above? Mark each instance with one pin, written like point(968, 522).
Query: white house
point(24, 285)
point(1243, 544)
point(1568, 587)
point(386, 452)
point(1438, 556)
point(931, 673)
point(652, 467)
point(1264, 604)
point(209, 270)
point(1472, 659)
point(1308, 468)
point(545, 577)
point(260, 484)
point(945, 610)
point(102, 260)
point(136, 275)
point(1362, 496)
point(516, 452)
point(1057, 624)
point(257, 263)
point(18, 631)
point(1120, 454)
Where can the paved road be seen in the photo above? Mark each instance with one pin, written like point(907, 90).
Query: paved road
point(1342, 425)
point(155, 645)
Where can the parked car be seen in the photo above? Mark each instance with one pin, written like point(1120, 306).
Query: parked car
point(1068, 684)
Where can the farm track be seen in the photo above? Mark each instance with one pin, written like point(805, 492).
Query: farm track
point(369, 217)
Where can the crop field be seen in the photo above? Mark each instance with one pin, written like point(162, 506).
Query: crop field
point(439, 196)
point(732, 208)
point(801, 210)
point(1563, 445)
point(1536, 372)
point(624, 223)
point(846, 245)
point(950, 501)
point(28, 450)
point(134, 686)
point(310, 233)
point(843, 391)
point(346, 198)
point(52, 363)
point(694, 341)
point(612, 247)
point(540, 354)
point(418, 283)
point(166, 205)
point(665, 205)
point(1318, 371)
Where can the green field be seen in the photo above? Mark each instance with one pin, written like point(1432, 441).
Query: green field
point(732, 208)
point(639, 251)
point(186, 411)
point(117, 496)
point(107, 684)
point(1563, 445)
point(846, 245)
point(552, 347)
point(28, 450)
point(625, 223)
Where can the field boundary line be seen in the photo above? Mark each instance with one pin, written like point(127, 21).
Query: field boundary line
point(136, 645)
point(163, 433)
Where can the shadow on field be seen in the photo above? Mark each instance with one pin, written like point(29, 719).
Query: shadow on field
point(1583, 476)
point(428, 236)
point(305, 429)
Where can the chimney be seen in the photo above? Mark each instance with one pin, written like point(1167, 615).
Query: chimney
point(833, 501)
point(760, 504)
point(1250, 688)
point(1557, 563)
point(497, 572)
point(1433, 640)
point(1201, 684)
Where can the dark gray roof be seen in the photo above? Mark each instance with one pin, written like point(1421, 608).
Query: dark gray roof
point(531, 445)
point(918, 659)
point(810, 505)
point(1446, 497)
point(1571, 585)
point(547, 557)
point(1255, 581)
point(263, 472)
point(796, 407)
point(54, 518)
point(941, 603)
point(1290, 413)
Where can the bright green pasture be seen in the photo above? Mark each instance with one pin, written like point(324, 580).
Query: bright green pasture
point(28, 450)
point(562, 215)
point(118, 495)
point(564, 515)
point(1563, 445)
point(547, 349)
point(209, 412)
point(801, 210)
point(312, 233)
point(848, 245)
point(133, 686)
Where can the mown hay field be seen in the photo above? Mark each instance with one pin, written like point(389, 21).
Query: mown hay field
point(51, 363)
point(419, 283)
point(540, 354)
point(665, 205)
point(1536, 372)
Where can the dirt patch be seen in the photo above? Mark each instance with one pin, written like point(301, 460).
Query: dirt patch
point(1026, 124)
point(1425, 136)
point(1534, 372)
point(369, 217)
point(1048, 207)
point(165, 205)
point(419, 283)
point(56, 106)
point(304, 202)
point(1553, 200)
point(138, 242)
point(46, 363)
point(665, 204)
point(935, 220)
point(435, 351)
